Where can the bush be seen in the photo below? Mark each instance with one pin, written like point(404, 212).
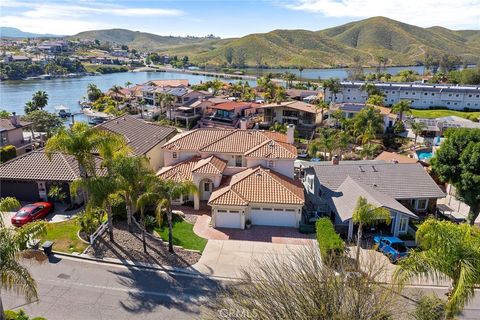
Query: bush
point(20, 315)
point(429, 308)
point(90, 220)
point(7, 153)
point(119, 211)
point(329, 241)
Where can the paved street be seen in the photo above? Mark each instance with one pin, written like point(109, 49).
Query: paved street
point(84, 290)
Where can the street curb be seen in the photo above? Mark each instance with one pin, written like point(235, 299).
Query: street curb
point(141, 265)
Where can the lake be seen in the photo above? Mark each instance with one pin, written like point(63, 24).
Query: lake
point(68, 91)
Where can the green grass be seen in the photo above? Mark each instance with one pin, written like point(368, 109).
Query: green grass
point(183, 234)
point(439, 113)
point(64, 236)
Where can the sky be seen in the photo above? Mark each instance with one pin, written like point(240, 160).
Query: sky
point(230, 18)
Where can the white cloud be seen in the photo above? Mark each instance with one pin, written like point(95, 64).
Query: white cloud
point(453, 14)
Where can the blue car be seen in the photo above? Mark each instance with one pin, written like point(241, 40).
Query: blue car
point(392, 247)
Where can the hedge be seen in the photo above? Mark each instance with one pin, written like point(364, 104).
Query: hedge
point(329, 240)
point(7, 153)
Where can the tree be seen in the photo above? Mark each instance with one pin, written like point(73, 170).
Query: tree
point(273, 289)
point(128, 84)
point(417, 128)
point(334, 86)
point(4, 114)
point(407, 75)
point(367, 214)
point(229, 55)
point(44, 121)
point(40, 99)
point(369, 150)
point(289, 78)
point(457, 162)
point(14, 276)
point(322, 105)
point(371, 89)
point(300, 69)
point(116, 90)
point(402, 107)
point(161, 193)
point(280, 95)
point(93, 92)
point(367, 123)
point(133, 175)
point(446, 250)
point(168, 99)
point(376, 100)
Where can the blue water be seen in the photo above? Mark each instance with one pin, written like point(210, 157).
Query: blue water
point(424, 155)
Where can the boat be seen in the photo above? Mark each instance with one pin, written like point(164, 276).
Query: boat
point(63, 111)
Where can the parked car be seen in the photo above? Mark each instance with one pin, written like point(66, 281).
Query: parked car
point(31, 212)
point(393, 247)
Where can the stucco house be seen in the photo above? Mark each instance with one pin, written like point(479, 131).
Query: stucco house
point(349, 111)
point(11, 133)
point(242, 174)
point(406, 189)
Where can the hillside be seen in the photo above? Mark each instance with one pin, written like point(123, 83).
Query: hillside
point(140, 40)
point(400, 43)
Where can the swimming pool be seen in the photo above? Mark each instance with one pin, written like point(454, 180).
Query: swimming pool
point(424, 155)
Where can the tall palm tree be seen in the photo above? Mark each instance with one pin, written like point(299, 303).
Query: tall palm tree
point(161, 194)
point(133, 175)
point(402, 107)
point(168, 99)
point(301, 70)
point(289, 78)
point(40, 99)
point(369, 150)
point(376, 100)
point(116, 90)
point(93, 92)
point(334, 86)
point(81, 141)
point(367, 214)
point(141, 104)
point(417, 128)
point(446, 250)
point(367, 123)
point(128, 84)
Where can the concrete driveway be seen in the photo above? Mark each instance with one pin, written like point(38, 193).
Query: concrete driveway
point(58, 215)
point(226, 258)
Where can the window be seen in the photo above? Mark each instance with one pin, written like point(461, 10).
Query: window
point(234, 211)
point(174, 155)
point(222, 211)
point(238, 161)
point(403, 225)
point(206, 186)
point(310, 182)
point(256, 209)
point(271, 164)
point(278, 209)
point(267, 209)
point(421, 204)
point(290, 210)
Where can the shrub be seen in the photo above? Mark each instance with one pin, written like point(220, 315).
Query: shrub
point(329, 241)
point(90, 220)
point(7, 153)
point(20, 315)
point(57, 194)
point(429, 308)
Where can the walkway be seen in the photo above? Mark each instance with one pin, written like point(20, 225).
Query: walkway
point(279, 235)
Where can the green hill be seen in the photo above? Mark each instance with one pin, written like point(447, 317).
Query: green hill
point(140, 40)
point(400, 43)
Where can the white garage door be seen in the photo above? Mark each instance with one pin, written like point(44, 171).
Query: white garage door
point(273, 217)
point(227, 219)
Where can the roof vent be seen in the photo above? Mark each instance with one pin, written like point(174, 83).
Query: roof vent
point(361, 169)
point(375, 185)
point(374, 169)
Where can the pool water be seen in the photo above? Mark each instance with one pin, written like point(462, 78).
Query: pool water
point(424, 155)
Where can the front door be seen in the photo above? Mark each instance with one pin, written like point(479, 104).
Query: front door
point(207, 187)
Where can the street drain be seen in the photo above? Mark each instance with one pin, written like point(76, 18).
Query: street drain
point(63, 276)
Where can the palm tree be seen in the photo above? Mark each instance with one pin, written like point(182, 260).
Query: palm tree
point(446, 250)
point(289, 78)
point(141, 104)
point(369, 150)
point(81, 141)
point(116, 90)
point(280, 94)
point(40, 99)
point(161, 194)
point(93, 92)
point(14, 276)
point(371, 89)
point(417, 128)
point(326, 141)
point(29, 107)
point(401, 107)
point(128, 84)
point(376, 100)
point(334, 86)
point(322, 105)
point(367, 214)
point(301, 70)
point(367, 123)
point(168, 99)
point(133, 175)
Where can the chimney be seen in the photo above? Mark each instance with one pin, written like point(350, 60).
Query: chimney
point(14, 119)
point(335, 160)
point(291, 133)
point(243, 124)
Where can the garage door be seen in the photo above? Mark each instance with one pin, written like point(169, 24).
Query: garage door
point(273, 217)
point(22, 190)
point(227, 219)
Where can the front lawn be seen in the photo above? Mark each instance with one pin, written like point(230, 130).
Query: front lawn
point(183, 234)
point(439, 113)
point(64, 236)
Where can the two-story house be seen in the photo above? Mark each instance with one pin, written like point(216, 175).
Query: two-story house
point(244, 175)
point(11, 133)
point(349, 110)
point(332, 189)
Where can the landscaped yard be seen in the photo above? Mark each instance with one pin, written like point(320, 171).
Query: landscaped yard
point(64, 236)
point(439, 113)
point(183, 234)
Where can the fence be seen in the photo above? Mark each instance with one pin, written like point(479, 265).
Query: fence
point(101, 229)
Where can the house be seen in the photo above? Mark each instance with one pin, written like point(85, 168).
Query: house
point(301, 94)
point(435, 128)
point(30, 176)
point(11, 133)
point(394, 157)
point(225, 114)
point(242, 174)
point(144, 138)
point(304, 116)
point(349, 110)
point(420, 95)
point(404, 189)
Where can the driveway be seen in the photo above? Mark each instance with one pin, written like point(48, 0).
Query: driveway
point(227, 258)
point(278, 235)
point(58, 215)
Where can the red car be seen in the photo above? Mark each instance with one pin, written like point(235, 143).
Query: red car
point(31, 212)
